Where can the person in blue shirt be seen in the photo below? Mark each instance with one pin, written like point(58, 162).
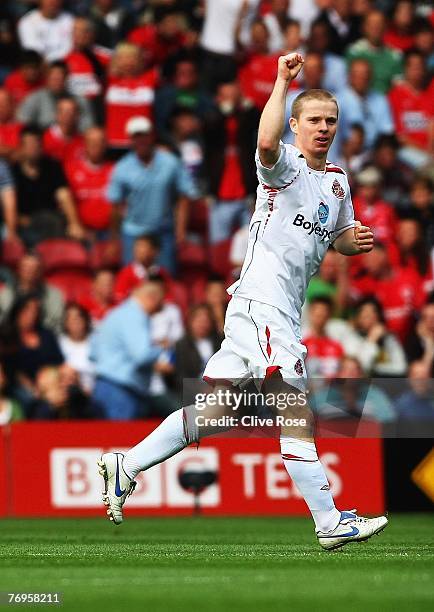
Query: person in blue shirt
point(359, 103)
point(124, 356)
point(417, 404)
point(156, 189)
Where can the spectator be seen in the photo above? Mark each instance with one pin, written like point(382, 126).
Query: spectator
point(353, 153)
point(160, 39)
point(145, 253)
point(350, 397)
point(379, 352)
point(9, 128)
point(386, 63)
point(9, 47)
point(58, 395)
point(89, 177)
point(125, 356)
point(217, 299)
point(185, 139)
point(344, 27)
point(36, 345)
point(412, 106)
point(419, 346)
point(44, 199)
point(371, 208)
point(422, 207)
point(256, 72)
point(111, 22)
point(8, 201)
point(47, 30)
point(149, 204)
point(183, 92)
point(100, 299)
point(412, 251)
point(324, 353)
point(230, 143)
point(417, 404)
point(335, 69)
point(359, 103)
point(10, 408)
point(399, 35)
point(130, 89)
point(27, 78)
point(75, 344)
point(87, 64)
point(398, 290)
point(39, 108)
point(424, 41)
point(166, 329)
point(195, 348)
point(219, 44)
point(63, 140)
point(30, 281)
point(396, 175)
point(276, 21)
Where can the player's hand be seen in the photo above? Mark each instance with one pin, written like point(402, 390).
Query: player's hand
point(289, 66)
point(363, 238)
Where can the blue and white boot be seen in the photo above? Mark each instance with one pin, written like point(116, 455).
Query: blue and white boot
point(351, 528)
point(117, 485)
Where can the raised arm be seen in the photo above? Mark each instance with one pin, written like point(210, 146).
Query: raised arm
point(272, 120)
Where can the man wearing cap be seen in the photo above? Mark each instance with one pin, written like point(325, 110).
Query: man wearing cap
point(155, 188)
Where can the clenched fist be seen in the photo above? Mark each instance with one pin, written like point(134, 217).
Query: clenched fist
point(289, 66)
point(363, 237)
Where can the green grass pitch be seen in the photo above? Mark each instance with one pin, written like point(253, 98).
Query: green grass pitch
point(210, 564)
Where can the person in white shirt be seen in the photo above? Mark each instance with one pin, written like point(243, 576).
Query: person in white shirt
point(303, 205)
point(47, 30)
point(75, 344)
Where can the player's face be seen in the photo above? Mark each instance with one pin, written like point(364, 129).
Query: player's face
point(316, 127)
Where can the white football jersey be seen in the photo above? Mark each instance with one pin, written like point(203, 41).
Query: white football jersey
point(299, 213)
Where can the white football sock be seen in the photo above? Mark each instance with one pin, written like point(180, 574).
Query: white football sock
point(166, 440)
point(303, 466)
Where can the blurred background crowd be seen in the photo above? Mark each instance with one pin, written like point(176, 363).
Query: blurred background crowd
point(127, 180)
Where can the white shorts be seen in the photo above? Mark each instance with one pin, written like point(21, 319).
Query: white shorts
point(259, 339)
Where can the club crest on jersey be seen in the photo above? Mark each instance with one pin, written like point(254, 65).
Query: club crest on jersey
point(338, 190)
point(298, 367)
point(323, 212)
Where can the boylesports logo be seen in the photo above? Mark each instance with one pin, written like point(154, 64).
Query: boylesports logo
point(312, 228)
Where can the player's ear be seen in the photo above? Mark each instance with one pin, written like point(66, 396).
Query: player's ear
point(293, 125)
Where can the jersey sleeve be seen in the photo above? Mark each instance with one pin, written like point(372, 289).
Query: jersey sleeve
point(345, 218)
point(283, 170)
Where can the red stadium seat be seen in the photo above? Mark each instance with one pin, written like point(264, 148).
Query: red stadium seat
point(106, 254)
point(199, 219)
point(72, 283)
point(177, 293)
point(59, 253)
point(12, 251)
point(219, 257)
point(191, 255)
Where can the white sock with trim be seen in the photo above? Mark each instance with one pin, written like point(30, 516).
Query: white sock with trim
point(303, 466)
point(164, 442)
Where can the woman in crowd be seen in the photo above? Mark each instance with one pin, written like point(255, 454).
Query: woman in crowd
point(75, 345)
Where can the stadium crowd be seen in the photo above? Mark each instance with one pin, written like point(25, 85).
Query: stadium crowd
point(127, 180)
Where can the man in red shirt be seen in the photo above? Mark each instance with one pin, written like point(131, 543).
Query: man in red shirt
point(27, 78)
point(145, 252)
point(88, 176)
point(398, 290)
point(63, 140)
point(100, 299)
point(87, 64)
point(130, 92)
point(9, 128)
point(323, 353)
point(229, 153)
point(161, 39)
point(413, 104)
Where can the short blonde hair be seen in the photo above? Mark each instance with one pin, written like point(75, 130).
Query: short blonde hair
point(311, 94)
